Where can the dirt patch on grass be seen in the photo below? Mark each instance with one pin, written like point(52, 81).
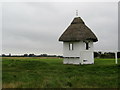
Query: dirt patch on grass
point(12, 85)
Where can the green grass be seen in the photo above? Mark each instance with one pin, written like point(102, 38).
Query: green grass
point(51, 73)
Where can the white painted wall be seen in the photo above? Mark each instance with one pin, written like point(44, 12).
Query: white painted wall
point(71, 61)
point(79, 50)
point(87, 55)
point(77, 46)
point(70, 53)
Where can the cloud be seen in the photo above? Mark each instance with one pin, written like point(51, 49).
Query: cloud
point(36, 27)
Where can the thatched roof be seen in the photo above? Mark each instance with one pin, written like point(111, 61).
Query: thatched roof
point(78, 31)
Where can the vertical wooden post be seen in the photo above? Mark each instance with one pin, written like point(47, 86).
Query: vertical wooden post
point(116, 61)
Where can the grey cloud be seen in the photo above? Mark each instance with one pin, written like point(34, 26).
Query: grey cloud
point(36, 27)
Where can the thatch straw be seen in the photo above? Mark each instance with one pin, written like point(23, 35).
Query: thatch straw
point(78, 31)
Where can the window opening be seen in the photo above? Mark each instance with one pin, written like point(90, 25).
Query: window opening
point(70, 46)
point(87, 45)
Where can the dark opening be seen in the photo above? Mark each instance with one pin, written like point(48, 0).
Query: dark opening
point(87, 46)
point(84, 60)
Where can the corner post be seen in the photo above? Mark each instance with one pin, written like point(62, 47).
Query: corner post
point(116, 60)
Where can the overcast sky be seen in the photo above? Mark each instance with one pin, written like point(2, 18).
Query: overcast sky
point(36, 27)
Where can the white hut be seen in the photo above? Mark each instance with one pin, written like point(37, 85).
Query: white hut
point(78, 43)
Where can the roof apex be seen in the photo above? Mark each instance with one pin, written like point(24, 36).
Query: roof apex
point(77, 20)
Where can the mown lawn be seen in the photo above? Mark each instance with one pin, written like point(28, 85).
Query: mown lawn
point(51, 73)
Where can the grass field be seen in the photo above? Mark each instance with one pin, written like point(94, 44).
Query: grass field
point(21, 72)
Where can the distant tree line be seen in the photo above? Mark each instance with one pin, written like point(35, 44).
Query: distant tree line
point(31, 55)
point(96, 55)
point(106, 55)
